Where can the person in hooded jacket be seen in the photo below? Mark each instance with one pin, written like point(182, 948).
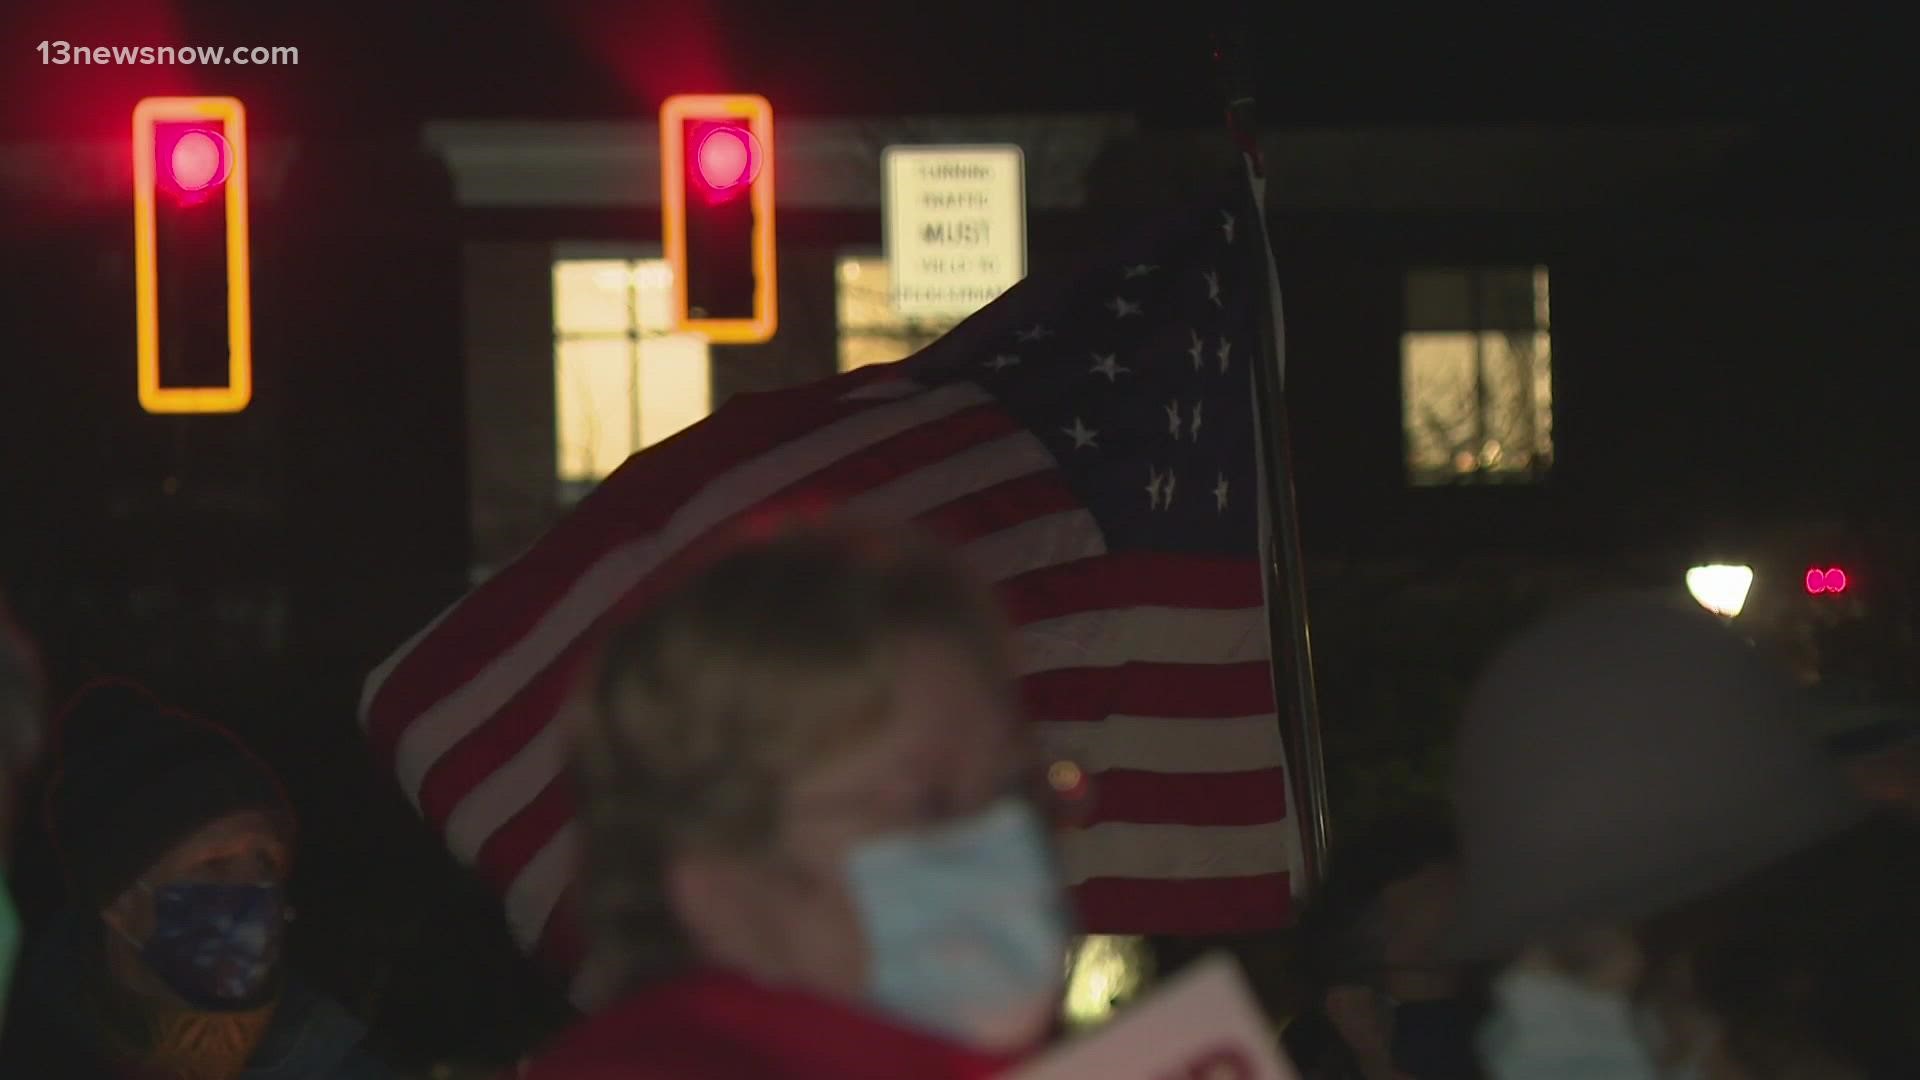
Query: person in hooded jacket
point(177, 844)
point(812, 842)
point(1664, 873)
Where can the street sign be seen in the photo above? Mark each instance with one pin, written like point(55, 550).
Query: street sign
point(1203, 1025)
point(955, 223)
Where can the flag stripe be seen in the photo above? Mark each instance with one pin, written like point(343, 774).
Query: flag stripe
point(999, 507)
point(1141, 797)
point(1066, 537)
point(562, 945)
point(1176, 691)
point(922, 475)
point(1173, 852)
point(484, 806)
point(1109, 637)
point(531, 896)
point(1134, 580)
point(1193, 745)
point(1183, 908)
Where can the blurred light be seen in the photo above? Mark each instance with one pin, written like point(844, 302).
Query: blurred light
point(1103, 973)
point(726, 157)
point(198, 160)
point(1065, 777)
point(1832, 580)
point(1720, 588)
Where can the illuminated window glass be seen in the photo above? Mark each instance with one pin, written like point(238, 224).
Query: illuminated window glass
point(622, 380)
point(1476, 371)
point(871, 332)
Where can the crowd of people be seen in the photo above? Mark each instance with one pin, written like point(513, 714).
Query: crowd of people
point(817, 842)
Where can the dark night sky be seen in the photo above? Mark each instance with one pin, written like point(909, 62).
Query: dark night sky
point(1323, 63)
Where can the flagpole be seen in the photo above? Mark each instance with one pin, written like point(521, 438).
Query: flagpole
point(1286, 568)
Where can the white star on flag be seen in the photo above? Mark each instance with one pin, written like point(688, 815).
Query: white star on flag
point(1213, 288)
point(1194, 428)
point(1034, 333)
point(1226, 225)
point(1082, 435)
point(1140, 271)
point(1225, 348)
point(1220, 494)
point(1108, 365)
point(1122, 308)
point(1154, 483)
point(1173, 419)
point(1004, 360)
point(1198, 347)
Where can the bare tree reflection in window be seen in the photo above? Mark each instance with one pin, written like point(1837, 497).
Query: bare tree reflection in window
point(871, 332)
point(1476, 375)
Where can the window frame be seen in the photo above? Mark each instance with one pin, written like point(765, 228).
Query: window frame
point(903, 328)
point(1478, 278)
point(568, 490)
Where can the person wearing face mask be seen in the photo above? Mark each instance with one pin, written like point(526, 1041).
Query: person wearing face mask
point(21, 735)
point(176, 844)
point(811, 847)
point(1665, 875)
point(1383, 995)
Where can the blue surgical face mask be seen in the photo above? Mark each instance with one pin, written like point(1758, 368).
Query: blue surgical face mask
point(966, 927)
point(1550, 1027)
point(216, 946)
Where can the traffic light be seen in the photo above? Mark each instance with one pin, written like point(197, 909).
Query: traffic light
point(1826, 581)
point(193, 301)
point(716, 199)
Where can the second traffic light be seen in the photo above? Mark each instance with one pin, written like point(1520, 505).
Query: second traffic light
point(193, 297)
point(716, 198)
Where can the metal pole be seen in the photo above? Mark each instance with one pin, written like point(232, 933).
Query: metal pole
point(1286, 569)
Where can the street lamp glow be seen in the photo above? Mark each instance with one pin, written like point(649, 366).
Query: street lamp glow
point(1720, 589)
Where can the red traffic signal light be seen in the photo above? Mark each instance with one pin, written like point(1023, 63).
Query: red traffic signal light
point(1830, 581)
point(727, 156)
point(716, 204)
point(193, 305)
point(199, 158)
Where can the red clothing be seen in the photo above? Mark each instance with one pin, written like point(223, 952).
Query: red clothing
point(715, 1026)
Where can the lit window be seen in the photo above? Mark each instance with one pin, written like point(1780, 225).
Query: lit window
point(622, 380)
point(1476, 370)
point(871, 332)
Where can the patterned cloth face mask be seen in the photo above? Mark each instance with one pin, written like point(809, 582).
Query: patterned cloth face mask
point(217, 946)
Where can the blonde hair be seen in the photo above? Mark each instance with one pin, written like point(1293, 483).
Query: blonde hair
point(778, 655)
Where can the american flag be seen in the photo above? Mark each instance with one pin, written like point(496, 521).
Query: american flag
point(1088, 442)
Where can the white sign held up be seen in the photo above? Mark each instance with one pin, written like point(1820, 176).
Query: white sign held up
point(955, 226)
point(1204, 1025)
